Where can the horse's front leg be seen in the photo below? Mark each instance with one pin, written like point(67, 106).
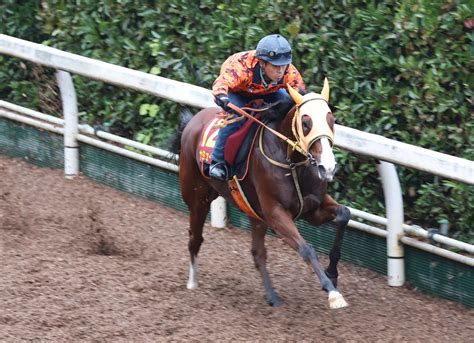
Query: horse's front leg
point(259, 253)
point(282, 222)
point(328, 211)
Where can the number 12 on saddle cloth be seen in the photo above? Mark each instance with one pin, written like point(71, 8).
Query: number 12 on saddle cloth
point(206, 145)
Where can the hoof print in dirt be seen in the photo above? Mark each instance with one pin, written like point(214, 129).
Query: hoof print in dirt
point(105, 246)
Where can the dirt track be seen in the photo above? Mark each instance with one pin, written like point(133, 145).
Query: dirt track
point(84, 262)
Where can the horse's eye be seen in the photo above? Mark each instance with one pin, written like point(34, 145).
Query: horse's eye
point(331, 120)
point(307, 124)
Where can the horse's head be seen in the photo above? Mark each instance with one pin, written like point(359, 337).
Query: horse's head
point(313, 128)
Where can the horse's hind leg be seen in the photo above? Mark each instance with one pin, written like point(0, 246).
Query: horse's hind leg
point(198, 196)
point(259, 253)
point(197, 217)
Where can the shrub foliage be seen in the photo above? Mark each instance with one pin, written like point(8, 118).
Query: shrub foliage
point(402, 69)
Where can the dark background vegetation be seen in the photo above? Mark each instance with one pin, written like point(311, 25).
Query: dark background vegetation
point(401, 69)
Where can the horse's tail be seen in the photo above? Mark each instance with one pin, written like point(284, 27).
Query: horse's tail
point(184, 118)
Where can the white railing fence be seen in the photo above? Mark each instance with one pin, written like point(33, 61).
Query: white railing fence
point(389, 152)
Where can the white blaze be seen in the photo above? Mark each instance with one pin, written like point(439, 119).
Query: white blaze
point(328, 161)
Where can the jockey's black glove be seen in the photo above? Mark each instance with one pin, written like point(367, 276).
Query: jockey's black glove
point(222, 100)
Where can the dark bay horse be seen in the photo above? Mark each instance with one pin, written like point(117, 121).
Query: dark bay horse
point(285, 181)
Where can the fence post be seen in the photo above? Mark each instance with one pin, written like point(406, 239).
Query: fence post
point(70, 113)
point(219, 213)
point(394, 211)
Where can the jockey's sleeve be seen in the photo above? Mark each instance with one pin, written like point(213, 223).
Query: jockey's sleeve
point(293, 77)
point(232, 76)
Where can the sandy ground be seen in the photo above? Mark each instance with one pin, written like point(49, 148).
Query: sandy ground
point(83, 262)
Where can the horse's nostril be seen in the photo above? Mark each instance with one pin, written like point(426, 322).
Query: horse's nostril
point(322, 171)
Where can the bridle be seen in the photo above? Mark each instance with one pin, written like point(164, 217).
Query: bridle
point(303, 142)
point(318, 130)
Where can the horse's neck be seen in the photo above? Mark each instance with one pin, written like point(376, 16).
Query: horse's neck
point(279, 150)
point(306, 175)
point(280, 147)
point(284, 126)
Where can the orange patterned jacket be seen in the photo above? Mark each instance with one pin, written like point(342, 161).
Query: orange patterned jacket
point(240, 73)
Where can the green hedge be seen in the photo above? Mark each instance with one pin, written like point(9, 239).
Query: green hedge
point(402, 69)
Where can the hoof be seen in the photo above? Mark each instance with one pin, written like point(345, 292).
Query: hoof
point(336, 300)
point(191, 285)
point(274, 301)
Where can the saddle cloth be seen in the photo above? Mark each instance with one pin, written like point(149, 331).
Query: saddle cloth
point(236, 151)
point(237, 155)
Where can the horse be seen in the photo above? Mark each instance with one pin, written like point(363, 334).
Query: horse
point(287, 179)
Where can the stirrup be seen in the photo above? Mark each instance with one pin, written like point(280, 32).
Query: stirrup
point(218, 170)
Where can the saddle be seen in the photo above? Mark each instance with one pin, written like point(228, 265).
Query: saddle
point(237, 155)
point(236, 151)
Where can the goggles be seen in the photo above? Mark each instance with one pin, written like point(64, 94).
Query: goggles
point(274, 54)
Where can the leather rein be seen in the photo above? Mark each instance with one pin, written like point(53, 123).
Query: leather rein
point(294, 145)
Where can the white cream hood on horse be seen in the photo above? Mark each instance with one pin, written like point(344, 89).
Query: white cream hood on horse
point(315, 107)
point(317, 111)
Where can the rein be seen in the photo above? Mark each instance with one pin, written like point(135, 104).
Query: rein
point(294, 145)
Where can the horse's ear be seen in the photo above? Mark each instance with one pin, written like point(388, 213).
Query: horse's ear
point(297, 97)
point(325, 91)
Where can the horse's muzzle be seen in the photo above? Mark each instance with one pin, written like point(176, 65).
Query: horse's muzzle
point(325, 175)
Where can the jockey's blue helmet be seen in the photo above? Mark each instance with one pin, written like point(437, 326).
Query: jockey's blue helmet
point(274, 49)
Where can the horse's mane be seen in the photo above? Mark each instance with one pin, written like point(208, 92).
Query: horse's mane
point(278, 111)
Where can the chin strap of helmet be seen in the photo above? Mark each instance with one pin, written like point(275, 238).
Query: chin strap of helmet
point(264, 79)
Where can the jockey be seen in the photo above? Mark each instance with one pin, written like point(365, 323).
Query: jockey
point(256, 74)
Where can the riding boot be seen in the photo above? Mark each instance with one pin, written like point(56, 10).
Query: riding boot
point(218, 170)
